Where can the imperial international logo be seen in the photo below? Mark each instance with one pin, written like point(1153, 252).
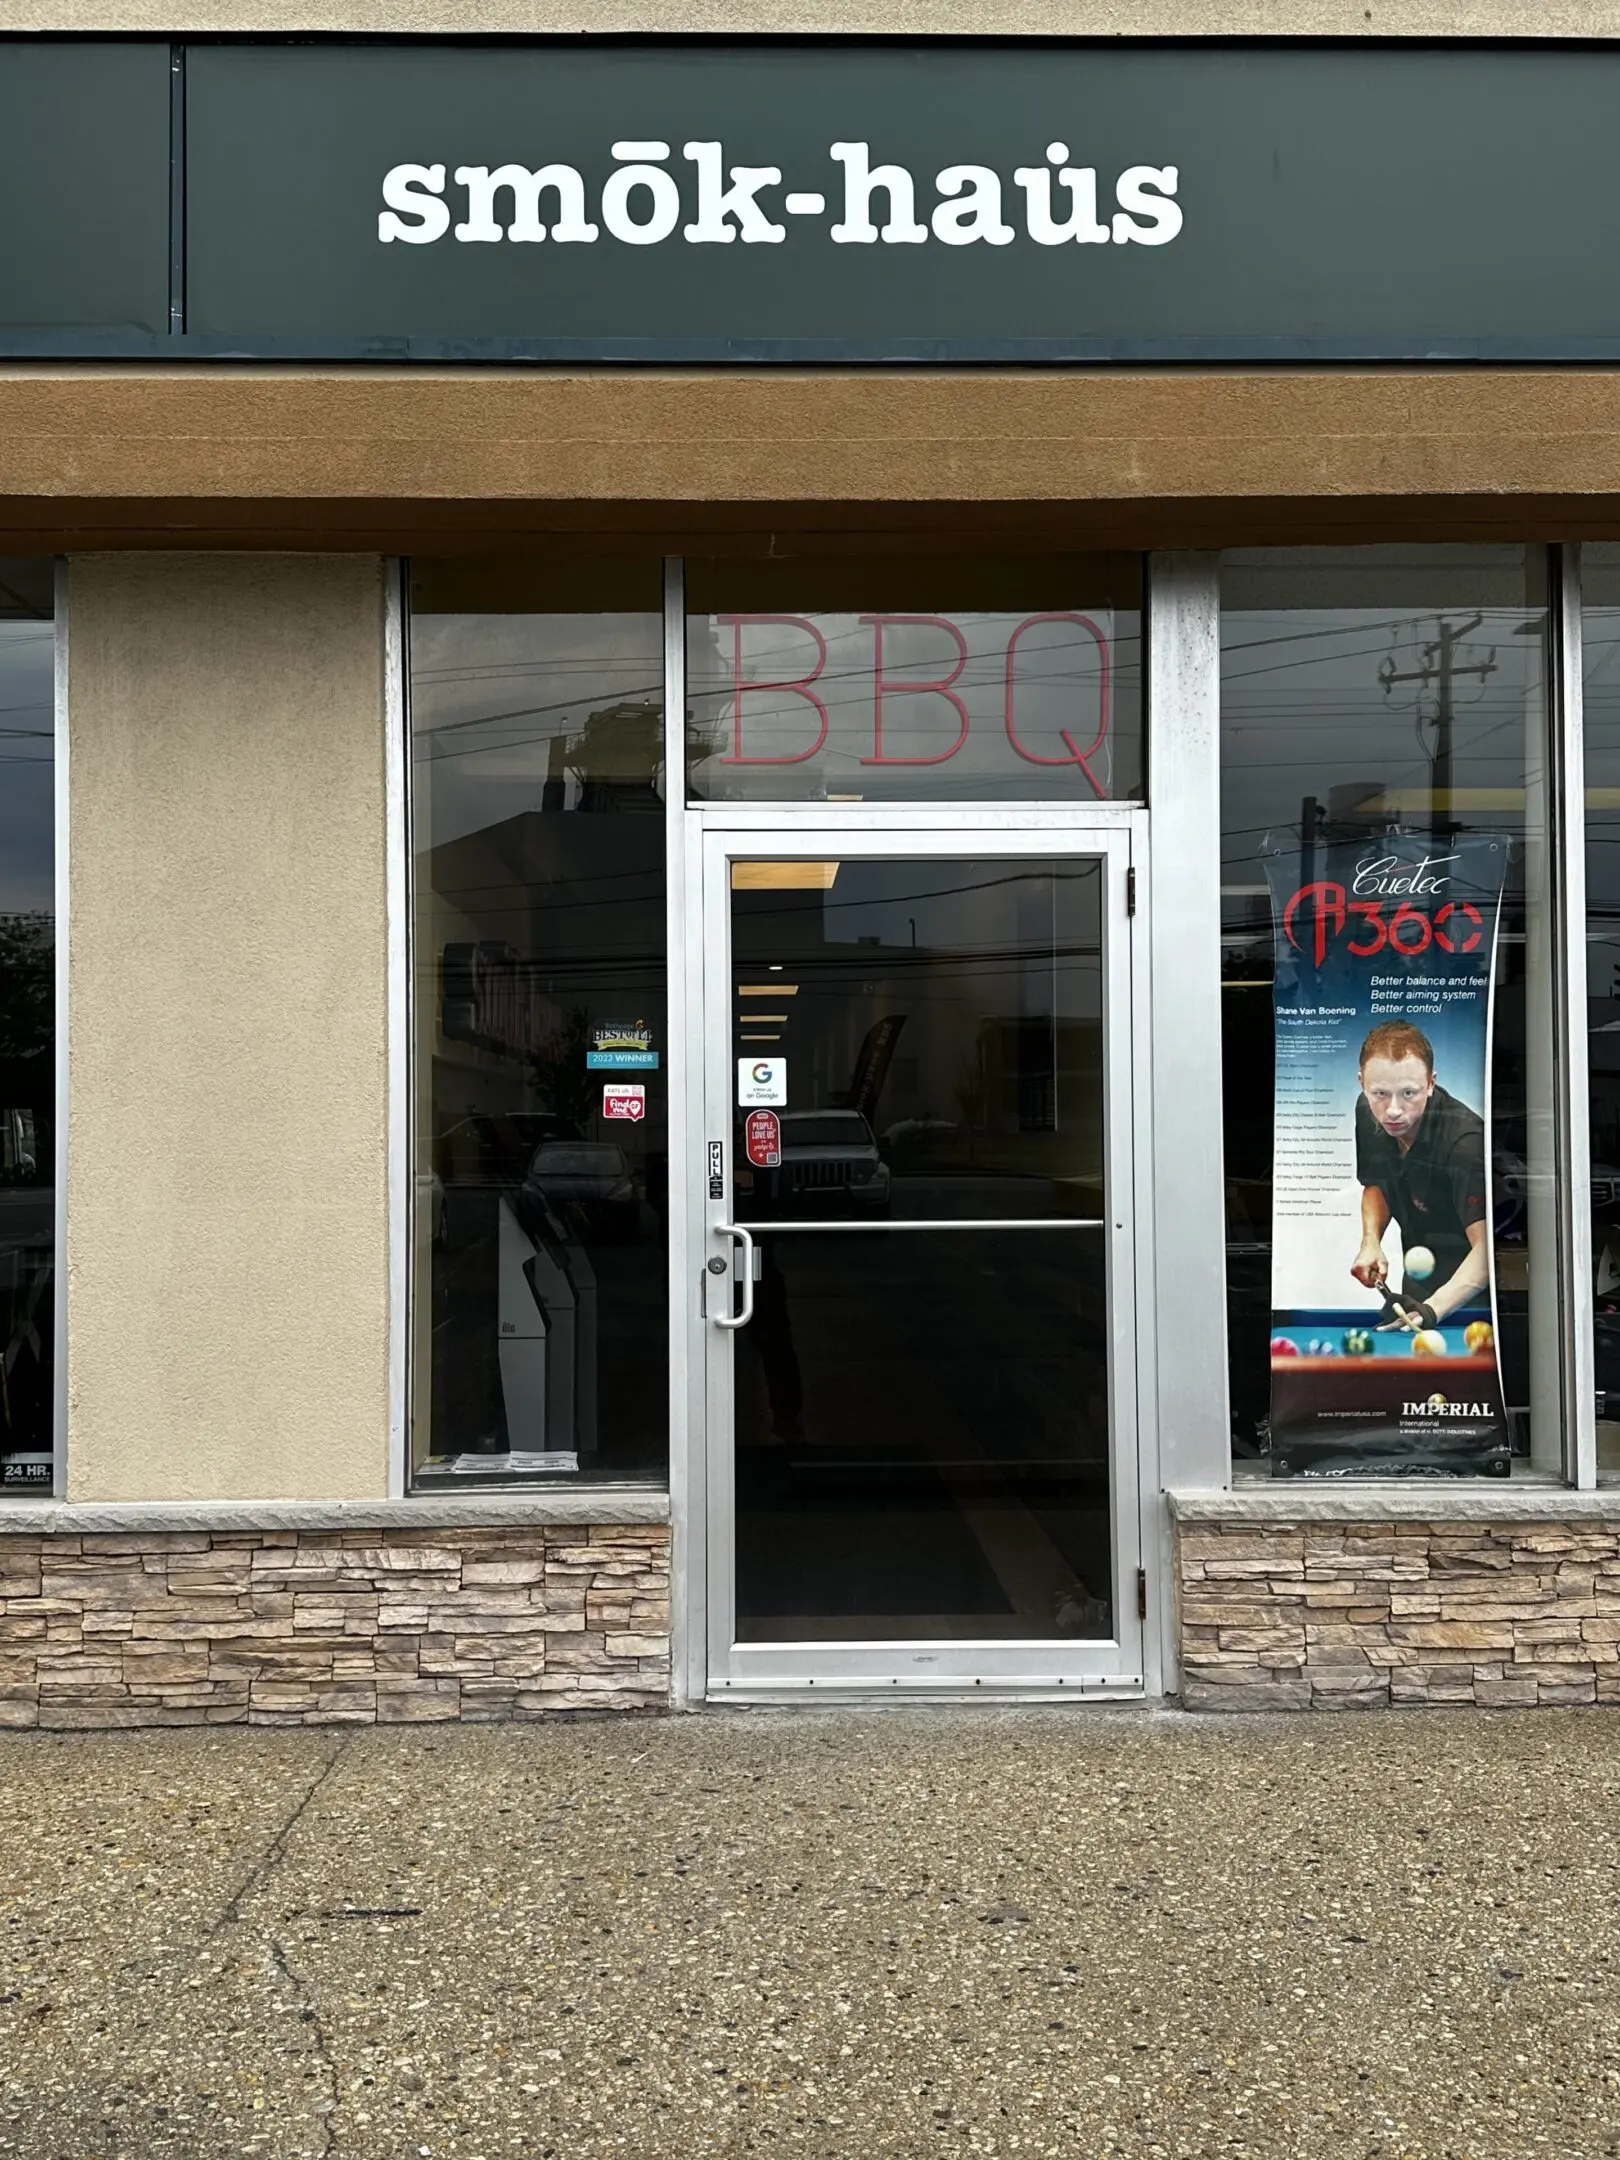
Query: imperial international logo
point(1437, 1406)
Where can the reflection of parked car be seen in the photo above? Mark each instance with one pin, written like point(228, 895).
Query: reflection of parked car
point(592, 1176)
point(913, 1131)
point(832, 1153)
point(495, 1148)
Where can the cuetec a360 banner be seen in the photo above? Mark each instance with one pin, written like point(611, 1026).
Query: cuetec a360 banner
point(1384, 1337)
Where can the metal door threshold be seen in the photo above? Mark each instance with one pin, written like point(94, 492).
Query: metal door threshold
point(1124, 1687)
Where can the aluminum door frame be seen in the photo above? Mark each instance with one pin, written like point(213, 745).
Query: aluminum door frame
point(1026, 1669)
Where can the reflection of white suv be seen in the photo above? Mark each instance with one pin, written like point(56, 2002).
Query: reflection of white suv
point(833, 1152)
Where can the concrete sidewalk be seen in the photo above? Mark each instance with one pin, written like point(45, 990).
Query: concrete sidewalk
point(947, 1932)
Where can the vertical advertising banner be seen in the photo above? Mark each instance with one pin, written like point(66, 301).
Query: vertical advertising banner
point(1383, 1297)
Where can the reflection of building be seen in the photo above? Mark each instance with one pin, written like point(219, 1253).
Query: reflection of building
point(513, 966)
point(549, 926)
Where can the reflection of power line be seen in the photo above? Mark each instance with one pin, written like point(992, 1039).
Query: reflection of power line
point(1024, 874)
point(1388, 629)
point(625, 693)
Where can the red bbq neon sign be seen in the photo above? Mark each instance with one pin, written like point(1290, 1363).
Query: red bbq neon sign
point(887, 689)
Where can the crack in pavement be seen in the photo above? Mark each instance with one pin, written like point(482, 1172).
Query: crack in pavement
point(325, 2113)
point(259, 1873)
point(325, 2110)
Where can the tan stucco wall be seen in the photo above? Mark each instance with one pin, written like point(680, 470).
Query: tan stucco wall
point(227, 1168)
point(841, 18)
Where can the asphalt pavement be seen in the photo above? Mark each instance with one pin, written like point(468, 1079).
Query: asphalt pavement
point(920, 1932)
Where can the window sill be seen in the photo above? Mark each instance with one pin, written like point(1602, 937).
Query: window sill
point(1520, 1499)
point(582, 1504)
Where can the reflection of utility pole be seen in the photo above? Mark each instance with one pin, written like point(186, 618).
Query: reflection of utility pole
point(1439, 668)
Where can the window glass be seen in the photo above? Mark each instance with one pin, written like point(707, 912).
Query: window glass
point(542, 1057)
point(915, 679)
point(1600, 591)
point(1385, 958)
point(942, 1019)
point(27, 1025)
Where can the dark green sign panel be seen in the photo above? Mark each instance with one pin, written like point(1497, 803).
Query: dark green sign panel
point(776, 201)
point(84, 162)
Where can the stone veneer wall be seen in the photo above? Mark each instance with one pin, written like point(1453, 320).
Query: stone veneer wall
point(290, 1626)
point(1350, 1614)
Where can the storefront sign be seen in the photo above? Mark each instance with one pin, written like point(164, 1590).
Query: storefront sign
point(622, 1046)
point(762, 1137)
point(1383, 1352)
point(495, 998)
point(977, 699)
point(761, 1083)
point(761, 202)
point(624, 1101)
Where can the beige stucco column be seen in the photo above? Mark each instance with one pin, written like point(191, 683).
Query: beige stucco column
point(227, 1243)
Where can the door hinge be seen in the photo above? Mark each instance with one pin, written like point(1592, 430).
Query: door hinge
point(1130, 890)
point(1141, 1593)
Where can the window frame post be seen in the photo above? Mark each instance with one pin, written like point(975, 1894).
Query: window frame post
point(1566, 793)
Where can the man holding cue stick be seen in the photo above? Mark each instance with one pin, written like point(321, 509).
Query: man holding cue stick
point(1420, 1160)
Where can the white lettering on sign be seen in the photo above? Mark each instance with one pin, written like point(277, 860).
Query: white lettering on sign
point(1388, 874)
point(1060, 204)
point(523, 190)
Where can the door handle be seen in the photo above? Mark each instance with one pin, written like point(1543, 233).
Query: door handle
point(736, 1232)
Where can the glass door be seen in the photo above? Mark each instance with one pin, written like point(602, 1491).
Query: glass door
point(917, 1258)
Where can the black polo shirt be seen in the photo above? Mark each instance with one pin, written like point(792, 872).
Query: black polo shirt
point(1437, 1188)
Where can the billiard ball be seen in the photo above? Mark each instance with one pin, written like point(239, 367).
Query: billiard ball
point(1319, 1346)
point(1428, 1342)
point(1358, 1342)
point(1479, 1336)
point(1418, 1265)
point(1284, 1346)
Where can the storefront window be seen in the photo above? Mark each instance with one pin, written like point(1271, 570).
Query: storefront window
point(934, 679)
point(542, 1058)
point(1600, 637)
point(1385, 958)
point(27, 1026)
